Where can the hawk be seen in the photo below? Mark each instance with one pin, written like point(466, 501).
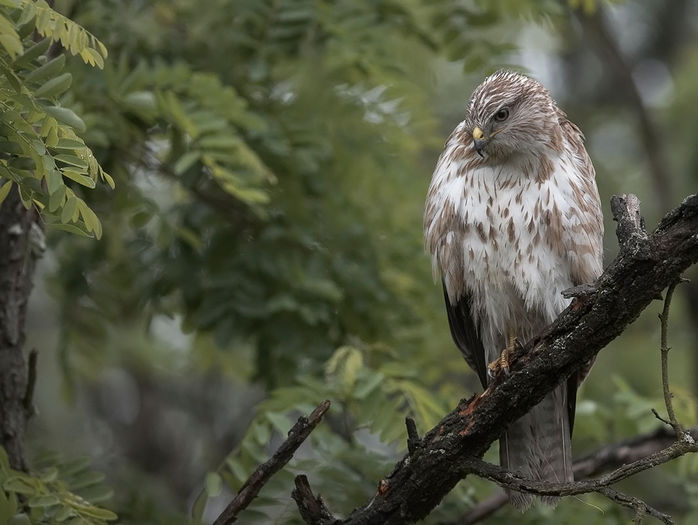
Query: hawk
point(512, 219)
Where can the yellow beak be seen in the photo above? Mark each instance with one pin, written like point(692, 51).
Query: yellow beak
point(477, 133)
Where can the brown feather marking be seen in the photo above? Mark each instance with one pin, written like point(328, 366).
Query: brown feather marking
point(511, 231)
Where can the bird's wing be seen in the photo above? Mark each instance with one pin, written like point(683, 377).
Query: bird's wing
point(583, 239)
point(466, 335)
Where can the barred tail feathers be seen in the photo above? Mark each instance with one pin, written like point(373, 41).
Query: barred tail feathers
point(537, 446)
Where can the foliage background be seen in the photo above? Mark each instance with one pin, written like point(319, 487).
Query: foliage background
point(262, 250)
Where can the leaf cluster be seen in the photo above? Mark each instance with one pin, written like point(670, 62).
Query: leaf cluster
point(56, 491)
point(42, 152)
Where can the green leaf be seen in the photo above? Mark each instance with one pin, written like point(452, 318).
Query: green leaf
point(26, 19)
point(44, 501)
point(50, 474)
point(70, 144)
point(197, 511)
point(54, 181)
point(186, 161)
point(91, 223)
point(21, 485)
point(20, 519)
point(236, 468)
point(97, 493)
point(4, 190)
point(55, 86)
point(66, 116)
point(6, 510)
point(98, 513)
point(33, 52)
point(12, 78)
point(213, 484)
point(90, 477)
point(52, 137)
point(71, 229)
point(78, 177)
point(48, 70)
point(68, 211)
point(141, 101)
point(219, 142)
point(73, 160)
point(63, 514)
point(107, 178)
point(9, 39)
point(279, 421)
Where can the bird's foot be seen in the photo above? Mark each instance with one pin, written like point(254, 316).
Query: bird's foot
point(501, 364)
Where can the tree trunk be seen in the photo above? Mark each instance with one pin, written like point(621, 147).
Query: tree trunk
point(17, 263)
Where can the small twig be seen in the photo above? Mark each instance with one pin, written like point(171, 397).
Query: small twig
point(28, 401)
point(640, 507)
point(513, 481)
point(660, 418)
point(597, 462)
point(664, 349)
point(249, 490)
point(312, 509)
point(581, 291)
point(542, 488)
point(413, 440)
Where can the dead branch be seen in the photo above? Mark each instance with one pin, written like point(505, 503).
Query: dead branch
point(249, 490)
point(646, 265)
point(312, 508)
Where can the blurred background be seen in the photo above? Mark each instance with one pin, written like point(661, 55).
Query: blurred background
point(262, 250)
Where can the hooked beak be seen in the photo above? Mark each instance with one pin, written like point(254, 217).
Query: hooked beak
point(479, 140)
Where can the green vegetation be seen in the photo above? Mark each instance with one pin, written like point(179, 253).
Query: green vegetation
point(255, 173)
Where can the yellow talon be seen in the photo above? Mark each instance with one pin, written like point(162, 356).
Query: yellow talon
point(502, 362)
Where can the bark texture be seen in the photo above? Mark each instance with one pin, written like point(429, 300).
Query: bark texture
point(17, 263)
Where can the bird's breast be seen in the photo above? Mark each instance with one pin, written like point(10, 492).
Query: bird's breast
point(499, 240)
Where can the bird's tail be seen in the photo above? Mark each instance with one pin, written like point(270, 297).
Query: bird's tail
point(537, 446)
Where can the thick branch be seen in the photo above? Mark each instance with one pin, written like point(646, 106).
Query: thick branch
point(249, 490)
point(641, 271)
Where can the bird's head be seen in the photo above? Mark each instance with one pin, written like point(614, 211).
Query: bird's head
point(510, 114)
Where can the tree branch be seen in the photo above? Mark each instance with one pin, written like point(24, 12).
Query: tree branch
point(645, 266)
point(664, 349)
point(543, 488)
point(312, 509)
point(601, 460)
point(249, 490)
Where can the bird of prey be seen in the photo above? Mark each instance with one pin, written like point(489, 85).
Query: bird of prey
point(512, 219)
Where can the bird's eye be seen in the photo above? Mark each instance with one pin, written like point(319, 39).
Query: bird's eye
point(501, 115)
